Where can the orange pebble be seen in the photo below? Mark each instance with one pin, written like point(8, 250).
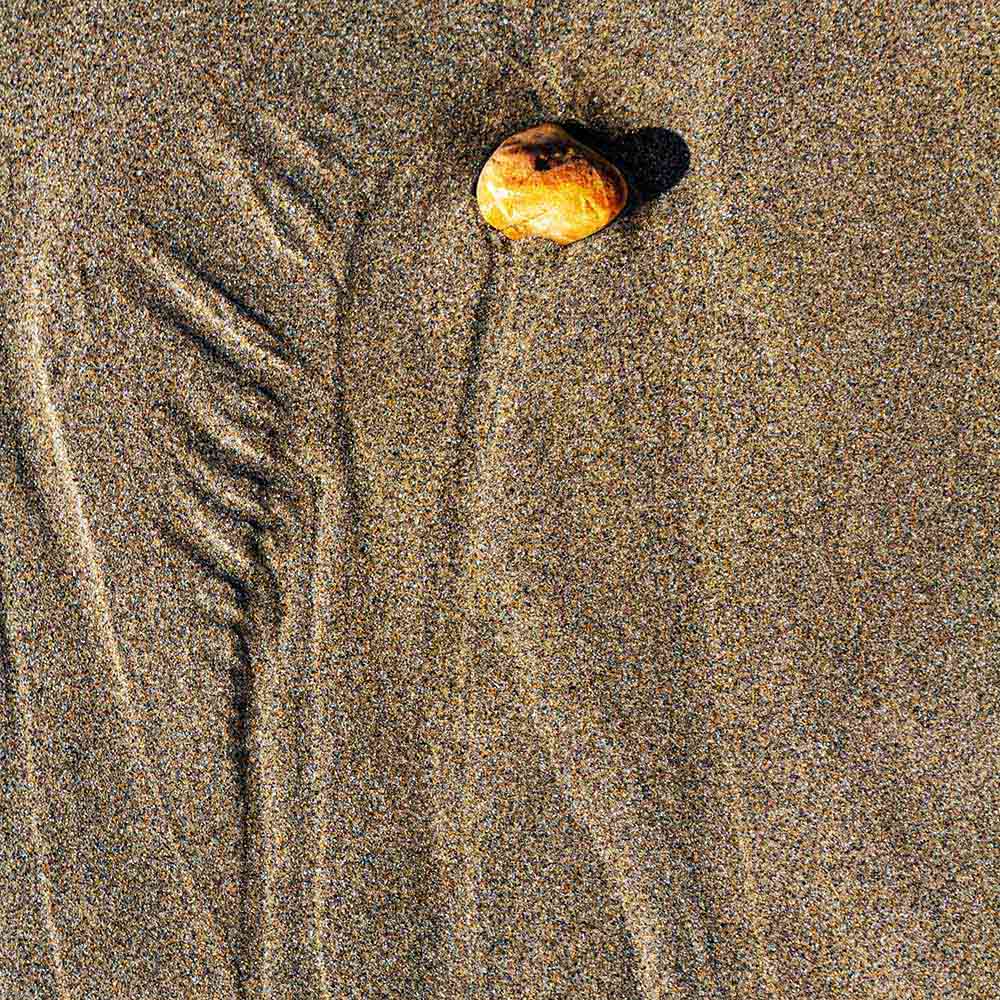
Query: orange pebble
point(542, 182)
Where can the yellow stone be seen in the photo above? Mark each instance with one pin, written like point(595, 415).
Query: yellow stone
point(542, 182)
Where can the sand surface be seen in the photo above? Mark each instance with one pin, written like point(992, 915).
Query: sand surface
point(391, 610)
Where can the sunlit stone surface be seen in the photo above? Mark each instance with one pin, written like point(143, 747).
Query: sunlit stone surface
point(542, 182)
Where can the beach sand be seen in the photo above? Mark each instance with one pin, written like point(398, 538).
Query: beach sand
point(390, 609)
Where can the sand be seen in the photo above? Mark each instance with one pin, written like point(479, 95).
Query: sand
point(390, 609)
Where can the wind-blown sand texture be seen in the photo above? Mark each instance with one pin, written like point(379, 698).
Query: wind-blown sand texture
point(389, 609)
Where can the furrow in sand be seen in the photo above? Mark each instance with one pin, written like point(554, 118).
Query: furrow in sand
point(297, 198)
point(295, 738)
point(217, 488)
point(723, 252)
point(454, 824)
point(205, 428)
point(219, 329)
point(24, 728)
point(53, 583)
point(603, 790)
point(288, 748)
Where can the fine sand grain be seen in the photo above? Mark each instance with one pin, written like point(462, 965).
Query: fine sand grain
point(389, 609)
